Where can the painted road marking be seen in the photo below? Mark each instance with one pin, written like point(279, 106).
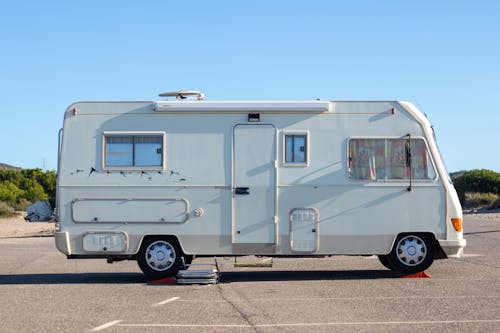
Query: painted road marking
point(167, 301)
point(107, 325)
point(361, 323)
point(354, 298)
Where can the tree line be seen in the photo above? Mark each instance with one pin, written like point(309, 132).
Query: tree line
point(20, 188)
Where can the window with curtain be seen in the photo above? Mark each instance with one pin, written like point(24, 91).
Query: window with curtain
point(389, 159)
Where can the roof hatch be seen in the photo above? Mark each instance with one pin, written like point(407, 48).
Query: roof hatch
point(183, 94)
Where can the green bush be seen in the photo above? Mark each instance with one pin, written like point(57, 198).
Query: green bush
point(39, 185)
point(19, 188)
point(10, 193)
point(476, 181)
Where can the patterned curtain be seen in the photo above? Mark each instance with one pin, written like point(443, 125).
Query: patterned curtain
point(385, 159)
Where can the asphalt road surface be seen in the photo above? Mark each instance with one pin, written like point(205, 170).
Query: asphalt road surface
point(42, 291)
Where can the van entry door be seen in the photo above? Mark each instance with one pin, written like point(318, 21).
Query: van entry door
point(254, 184)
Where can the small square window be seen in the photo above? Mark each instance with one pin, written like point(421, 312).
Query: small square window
point(296, 148)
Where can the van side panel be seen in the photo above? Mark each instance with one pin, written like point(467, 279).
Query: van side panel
point(190, 195)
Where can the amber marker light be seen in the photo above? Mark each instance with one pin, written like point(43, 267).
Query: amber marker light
point(457, 224)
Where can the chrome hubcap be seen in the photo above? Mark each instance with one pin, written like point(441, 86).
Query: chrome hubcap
point(412, 250)
point(160, 255)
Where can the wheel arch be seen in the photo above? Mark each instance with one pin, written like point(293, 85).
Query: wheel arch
point(412, 252)
point(145, 238)
point(437, 249)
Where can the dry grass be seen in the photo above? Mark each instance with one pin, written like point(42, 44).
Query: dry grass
point(476, 200)
point(6, 210)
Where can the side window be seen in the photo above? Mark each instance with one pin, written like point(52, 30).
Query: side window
point(389, 159)
point(119, 151)
point(133, 151)
point(421, 163)
point(296, 149)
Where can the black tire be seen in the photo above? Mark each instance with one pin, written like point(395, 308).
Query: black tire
point(412, 253)
point(159, 257)
point(384, 260)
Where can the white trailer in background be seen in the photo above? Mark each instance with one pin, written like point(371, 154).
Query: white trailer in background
point(162, 181)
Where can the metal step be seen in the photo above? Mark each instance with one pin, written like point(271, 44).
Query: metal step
point(197, 281)
point(199, 276)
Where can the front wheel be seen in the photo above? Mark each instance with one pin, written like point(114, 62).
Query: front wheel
point(159, 258)
point(412, 254)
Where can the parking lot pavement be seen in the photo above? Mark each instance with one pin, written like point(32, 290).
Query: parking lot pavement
point(42, 291)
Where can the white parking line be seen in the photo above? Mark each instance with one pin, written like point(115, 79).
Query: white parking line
point(353, 298)
point(107, 325)
point(361, 323)
point(167, 301)
point(188, 325)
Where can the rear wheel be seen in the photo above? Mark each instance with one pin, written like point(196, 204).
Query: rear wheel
point(412, 253)
point(159, 258)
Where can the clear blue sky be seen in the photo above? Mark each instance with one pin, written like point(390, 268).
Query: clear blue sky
point(444, 56)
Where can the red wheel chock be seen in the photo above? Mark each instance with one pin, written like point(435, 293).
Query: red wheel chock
point(417, 275)
point(168, 280)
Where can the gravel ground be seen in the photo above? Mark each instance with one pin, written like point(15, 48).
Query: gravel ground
point(16, 226)
point(483, 214)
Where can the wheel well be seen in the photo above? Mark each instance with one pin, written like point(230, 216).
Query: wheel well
point(145, 239)
point(438, 250)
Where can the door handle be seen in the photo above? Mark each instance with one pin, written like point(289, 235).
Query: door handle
point(242, 190)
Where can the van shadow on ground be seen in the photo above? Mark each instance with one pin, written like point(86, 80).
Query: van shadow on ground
point(225, 277)
point(255, 276)
point(72, 278)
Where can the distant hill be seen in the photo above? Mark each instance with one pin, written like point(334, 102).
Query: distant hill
point(4, 166)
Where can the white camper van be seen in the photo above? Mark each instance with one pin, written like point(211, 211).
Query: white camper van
point(163, 181)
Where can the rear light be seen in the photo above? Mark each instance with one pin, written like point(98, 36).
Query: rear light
point(457, 224)
point(71, 112)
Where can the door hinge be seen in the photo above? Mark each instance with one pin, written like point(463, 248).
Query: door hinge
point(275, 164)
point(275, 219)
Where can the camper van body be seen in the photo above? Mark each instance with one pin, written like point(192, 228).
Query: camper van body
point(155, 181)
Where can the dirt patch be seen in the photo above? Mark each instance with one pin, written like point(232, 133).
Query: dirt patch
point(16, 226)
point(483, 213)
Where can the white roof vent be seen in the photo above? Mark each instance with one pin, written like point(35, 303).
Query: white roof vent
point(183, 94)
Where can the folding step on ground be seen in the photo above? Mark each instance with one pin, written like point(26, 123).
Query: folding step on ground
point(199, 276)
